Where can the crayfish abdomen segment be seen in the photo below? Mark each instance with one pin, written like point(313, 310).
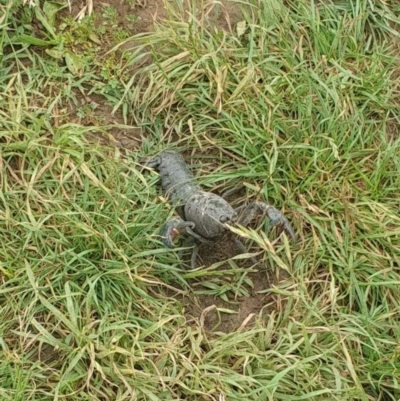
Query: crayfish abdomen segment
point(209, 211)
point(177, 180)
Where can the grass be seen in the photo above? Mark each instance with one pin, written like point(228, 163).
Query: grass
point(303, 107)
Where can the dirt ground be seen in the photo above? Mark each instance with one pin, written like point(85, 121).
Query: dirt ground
point(148, 11)
point(206, 310)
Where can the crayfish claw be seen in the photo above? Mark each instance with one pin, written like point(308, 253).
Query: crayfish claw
point(275, 216)
point(172, 229)
point(278, 219)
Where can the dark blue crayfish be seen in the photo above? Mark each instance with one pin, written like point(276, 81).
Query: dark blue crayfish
point(203, 215)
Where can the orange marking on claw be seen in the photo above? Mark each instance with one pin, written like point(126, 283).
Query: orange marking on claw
point(174, 232)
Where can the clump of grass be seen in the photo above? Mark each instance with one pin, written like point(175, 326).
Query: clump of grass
point(69, 59)
point(76, 266)
point(304, 106)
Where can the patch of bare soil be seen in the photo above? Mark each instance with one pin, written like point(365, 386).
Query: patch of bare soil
point(146, 12)
point(46, 354)
point(143, 12)
point(206, 309)
point(120, 136)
